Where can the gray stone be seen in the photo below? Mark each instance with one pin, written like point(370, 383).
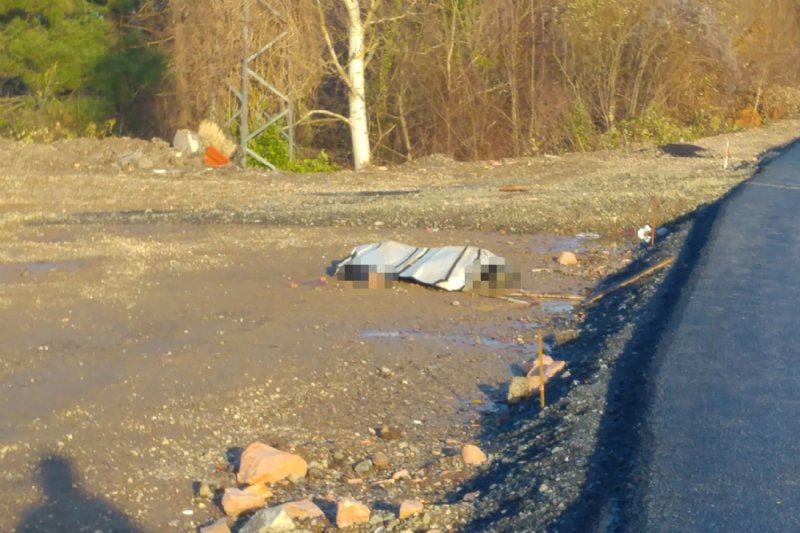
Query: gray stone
point(338, 457)
point(390, 433)
point(379, 517)
point(518, 389)
point(270, 520)
point(363, 468)
point(204, 491)
point(316, 473)
point(186, 142)
point(130, 157)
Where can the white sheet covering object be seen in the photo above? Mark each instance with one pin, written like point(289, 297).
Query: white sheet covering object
point(448, 267)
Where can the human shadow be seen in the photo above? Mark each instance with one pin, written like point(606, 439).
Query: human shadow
point(67, 507)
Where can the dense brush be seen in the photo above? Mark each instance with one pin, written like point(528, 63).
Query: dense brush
point(212, 135)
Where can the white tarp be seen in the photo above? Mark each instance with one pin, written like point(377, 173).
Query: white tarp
point(449, 267)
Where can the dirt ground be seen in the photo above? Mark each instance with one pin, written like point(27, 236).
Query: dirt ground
point(157, 317)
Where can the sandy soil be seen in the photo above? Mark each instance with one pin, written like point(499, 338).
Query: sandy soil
point(157, 317)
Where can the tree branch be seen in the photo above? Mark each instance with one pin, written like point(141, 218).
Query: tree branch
point(331, 50)
point(325, 113)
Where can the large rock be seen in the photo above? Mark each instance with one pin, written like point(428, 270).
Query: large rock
point(518, 389)
point(350, 512)
point(410, 508)
point(302, 509)
point(236, 501)
point(472, 455)
point(567, 259)
point(264, 464)
point(271, 520)
point(528, 366)
point(261, 489)
point(551, 368)
point(186, 142)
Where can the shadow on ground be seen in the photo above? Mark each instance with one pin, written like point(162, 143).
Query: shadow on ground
point(683, 150)
point(67, 507)
point(635, 319)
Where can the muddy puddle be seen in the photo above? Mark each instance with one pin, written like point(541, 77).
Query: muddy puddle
point(178, 322)
point(39, 271)
point(558, 307)
point(544, 244)
point(518, 337)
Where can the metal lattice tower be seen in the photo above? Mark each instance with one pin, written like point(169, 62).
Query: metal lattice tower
point(284, 113)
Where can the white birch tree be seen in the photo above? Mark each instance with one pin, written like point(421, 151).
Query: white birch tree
point(358, 21)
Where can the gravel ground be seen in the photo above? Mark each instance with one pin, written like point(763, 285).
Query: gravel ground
point(603, 192)
point(558, 464)
point(188, 315)
point(572, 466)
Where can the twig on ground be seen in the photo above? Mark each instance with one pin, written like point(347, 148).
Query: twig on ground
point(629, 281)
point(546, 296)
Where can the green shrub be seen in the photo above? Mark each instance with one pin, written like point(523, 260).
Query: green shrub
point(73, 64)
point(652, 127)
point(49, 120)
point(273, 147)
point(580, 133)
point(656, 127)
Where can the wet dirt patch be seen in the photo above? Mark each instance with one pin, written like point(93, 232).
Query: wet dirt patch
point(205, 328)
point(558, 307)
point(368, 193)
point(41, 271)
point(194, 329)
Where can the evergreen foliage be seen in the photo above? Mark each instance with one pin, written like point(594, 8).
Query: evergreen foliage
point(71, 65)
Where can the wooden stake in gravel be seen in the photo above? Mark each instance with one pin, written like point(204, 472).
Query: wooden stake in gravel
point(546, 296)
point(541, 367)
point(653, 269)
point(654, 220)
point(727, 154)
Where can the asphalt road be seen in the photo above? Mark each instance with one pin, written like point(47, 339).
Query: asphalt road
point(723, 444)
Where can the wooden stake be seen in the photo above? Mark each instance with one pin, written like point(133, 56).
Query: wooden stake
point(727, 154)
point(546, 296)
point(663, 264)
point(653, 220)
point(541, 367)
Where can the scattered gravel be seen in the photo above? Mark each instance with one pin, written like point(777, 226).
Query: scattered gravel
point(159, 385)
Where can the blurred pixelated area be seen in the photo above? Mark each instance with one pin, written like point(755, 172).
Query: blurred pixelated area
point(493, 278)
point(368, 276)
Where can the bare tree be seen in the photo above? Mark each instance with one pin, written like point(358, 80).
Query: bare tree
point(486, 78)
point(358, 21)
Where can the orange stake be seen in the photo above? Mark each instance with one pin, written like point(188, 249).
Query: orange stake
point(541, 367)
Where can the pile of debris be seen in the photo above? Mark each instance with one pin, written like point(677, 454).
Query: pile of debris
point(262, 467)
point(529, 384)
point(210, 140)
